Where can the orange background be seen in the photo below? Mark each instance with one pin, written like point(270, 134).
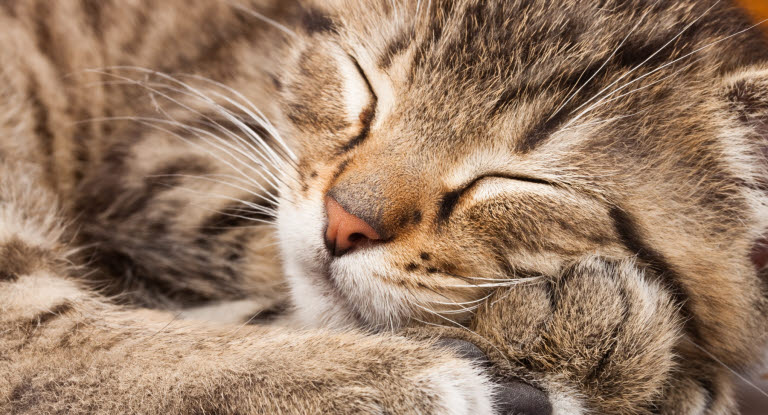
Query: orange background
point(758, 9)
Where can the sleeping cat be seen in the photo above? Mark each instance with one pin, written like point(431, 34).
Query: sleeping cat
point(441, 206)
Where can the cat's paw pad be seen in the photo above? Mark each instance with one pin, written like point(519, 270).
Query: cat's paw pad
point(512, 397)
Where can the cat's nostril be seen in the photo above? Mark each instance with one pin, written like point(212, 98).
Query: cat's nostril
point(357, 237)
point(346, 231)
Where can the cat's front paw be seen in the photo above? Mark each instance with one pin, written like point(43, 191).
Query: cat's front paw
point(600, 337)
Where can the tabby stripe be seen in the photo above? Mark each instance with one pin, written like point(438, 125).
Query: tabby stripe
point(45, 317)
point(395, 48)
point(601, 365)
point(157, 182)
point(710, 389)
point(42, 126)
point(662, 271)
point(9, 7)
point(234, 217)
point(340, 170)
point(17, 259)
point(92, 11)
point(447, 204)
point(315, 21)
point(133, 45)
point(366, 118)
point(270, 314)
point(81, 151)
point(576, 81)
point(42, 29)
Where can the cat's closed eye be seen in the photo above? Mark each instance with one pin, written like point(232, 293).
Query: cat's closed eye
point(486, 184)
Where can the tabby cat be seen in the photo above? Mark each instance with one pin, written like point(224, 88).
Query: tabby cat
point(431, 206)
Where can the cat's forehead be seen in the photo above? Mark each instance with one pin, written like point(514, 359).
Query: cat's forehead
point(467, 76)
point(484, 57)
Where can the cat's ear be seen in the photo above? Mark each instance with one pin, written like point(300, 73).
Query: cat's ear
point(746, 93)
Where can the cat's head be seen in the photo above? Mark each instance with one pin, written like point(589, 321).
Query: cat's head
point(446, 148)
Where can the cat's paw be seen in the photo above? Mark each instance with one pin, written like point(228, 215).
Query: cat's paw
point(508, 398)
point(599, 337)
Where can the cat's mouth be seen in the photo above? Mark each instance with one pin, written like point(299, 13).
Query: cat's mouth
point(337, 291)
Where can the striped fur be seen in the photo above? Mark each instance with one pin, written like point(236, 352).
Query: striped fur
point(577, 188)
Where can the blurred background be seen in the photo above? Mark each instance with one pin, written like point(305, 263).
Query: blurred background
point(758, 9)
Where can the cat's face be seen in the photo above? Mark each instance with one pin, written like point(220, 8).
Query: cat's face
point(467, 138)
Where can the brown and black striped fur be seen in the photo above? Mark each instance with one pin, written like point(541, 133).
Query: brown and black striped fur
point(578, 188)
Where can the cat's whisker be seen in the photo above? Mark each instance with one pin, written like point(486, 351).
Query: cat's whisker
point(734, 372)
point(463, 302)
point(275, 196)
point(601, 122)
point(636, 67)
point(262, 162)
point(465, 309)
point(607, 99)
point(225, 197)
point(263, 18)
point(276, 162)
point(463, 328)
point(190, 91)
point(395, 10)
point(604, 64)
point(152, 122)
point(488, 279)
point(254, 112)
point(675, 61)
point(496, 285)
point(198, 133)
point(264, 159)
point(259, 195)
point(231, 177)
point(150, 88)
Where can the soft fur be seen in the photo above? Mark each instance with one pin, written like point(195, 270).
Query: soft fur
point(578, 188)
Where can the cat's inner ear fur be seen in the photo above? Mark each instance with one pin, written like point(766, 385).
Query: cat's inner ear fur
point(746, 94)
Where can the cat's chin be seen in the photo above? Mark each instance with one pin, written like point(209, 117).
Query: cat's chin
point(345, 292)
point(323, 298)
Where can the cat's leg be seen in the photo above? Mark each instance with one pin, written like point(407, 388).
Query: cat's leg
point(601, 338)
point(64, 349)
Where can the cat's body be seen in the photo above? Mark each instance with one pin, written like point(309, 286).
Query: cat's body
point(606, 251)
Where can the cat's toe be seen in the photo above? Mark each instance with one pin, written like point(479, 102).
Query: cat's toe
point(518, 398)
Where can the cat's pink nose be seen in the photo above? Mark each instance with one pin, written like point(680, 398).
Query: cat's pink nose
point(346, 231)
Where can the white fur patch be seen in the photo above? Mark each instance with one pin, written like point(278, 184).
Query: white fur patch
point(35, 293)
point(460, 389)
point(565, 402)
point(228, 312)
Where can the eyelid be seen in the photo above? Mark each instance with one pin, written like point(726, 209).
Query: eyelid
point(367, 115)
point(519, 178)
point(451, 199)
point(365, 78)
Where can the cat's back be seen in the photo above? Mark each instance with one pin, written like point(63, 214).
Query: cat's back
point(60, 62)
